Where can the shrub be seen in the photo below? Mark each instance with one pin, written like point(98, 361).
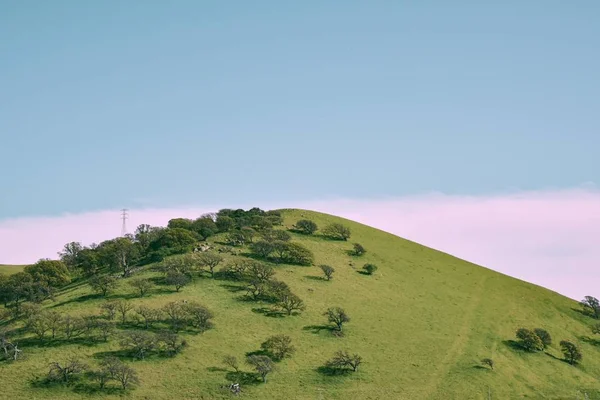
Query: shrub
point(336, 231)
point(591, 306)
point(571, 352)
point(327, 271)
point(169, 343)
point(544, 336)
point(279, 346)
point(200, 316)
point(177, 279)
point(370, 268)
point(305, 227)
point(529, 340)
point(489, 362)
point(358, 250)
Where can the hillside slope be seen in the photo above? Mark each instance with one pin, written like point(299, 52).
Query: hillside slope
point(421, 323)
point(10, 269)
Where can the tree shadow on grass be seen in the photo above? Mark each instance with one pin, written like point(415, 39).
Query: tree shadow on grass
point(330, 371)
point(315, 278)
point(481, 367)
point(51, 343)
point(316, 329)
point(96, 296)
point(363, 273)
point(514, 345)
point(92, 389)
point(258, 353)
point(233, 288)
point(589, 340)
point(268, 312)
point(217, 369)
point(122, 354)
point(244, 378)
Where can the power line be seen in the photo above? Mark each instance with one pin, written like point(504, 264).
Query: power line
point(124, 216)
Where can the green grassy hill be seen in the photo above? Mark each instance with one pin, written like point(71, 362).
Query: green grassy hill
point(10, 269)
point(422, 323)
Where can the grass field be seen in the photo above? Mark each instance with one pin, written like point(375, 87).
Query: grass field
point(10, 269)
point(422, 323)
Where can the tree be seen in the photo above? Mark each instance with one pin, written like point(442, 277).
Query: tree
point(571, 352)
point(596, 328)
point(109, 309)
point(142, 285)
point(262, 364)
point(182, 223)
point(224, 223)
point(140, 343)
point(529, 340)
point(173, 241)
point(123, 307)
point(148, 315)
point(176, 313)
point(306, 227)
point(358, 250)
point(200, 316)
point(73, 326)
point(231, 361)
point(591, 306)
point(88, 261)
point(170, 343)
point(370, 268)
point(488, 361)
point(37, 324)
point(106, 328)
point(290, 303)
point(102, 376)
point(271, 235)
point(343, 359)
point(327, 271)
point(336, 231)
point(240, 237)
point(544, 336)
point(262, 248)
point(53, 273)
point(54, 320)
point(205, 227)
point(295, 253)
point(211, 261)
point(279, 347)
point(70, 253)
point(120, 372)
point(177, 279)
point(67, 371)
point(120, 254)
point(337, 316)
point(103, 284)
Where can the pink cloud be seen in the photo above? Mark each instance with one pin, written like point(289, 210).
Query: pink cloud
point(549, 238)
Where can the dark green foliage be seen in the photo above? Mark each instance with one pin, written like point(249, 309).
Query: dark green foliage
point(240, 237)
point(306, 227)
point(285, 252)
point(141, 285)
point(571, 352)
point(272, 235)
point(88, 261)
point(544, 336)
point(327, 271)
point(358, 249)
point(370, 268)
point(103, 284)
point(199, 316)
point(336, 231)
point(173, 241)
point(70, 254)
point(180, 223)
point(529, 340)
point(488, 362)
point(343, 360)
point(337, 316)
point(139, 343)
point(262, 364)
point(225, 223)
point(591, 306)
point(119, 254)
point(52, 273)
point(596, 328)
point(205, 227)
point(279, 347)
point(262, 248)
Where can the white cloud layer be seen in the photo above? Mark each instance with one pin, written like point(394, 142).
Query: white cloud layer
point(549, 238)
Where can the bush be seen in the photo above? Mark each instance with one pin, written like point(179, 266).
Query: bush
point(337, 231)
point(279, 347)
point(200, 316)
point(177, 279)
point(370, 268)
point(591, 306)
point(358, 250)
point(571, 352)
point(544, 336)
point(327, 271)
point(529, 340)
point(305, 227)
point(489, 362)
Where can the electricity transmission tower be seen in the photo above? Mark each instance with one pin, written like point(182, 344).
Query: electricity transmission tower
point(124, 216)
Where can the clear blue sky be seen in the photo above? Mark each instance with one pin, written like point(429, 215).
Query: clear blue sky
point(111, 104)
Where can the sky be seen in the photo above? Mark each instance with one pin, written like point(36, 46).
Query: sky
point(399, 105)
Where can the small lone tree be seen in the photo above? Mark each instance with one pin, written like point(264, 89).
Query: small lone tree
point(343, 359)
point(103, 284)
point(65, 372)
point(177, 279)
point(358, 249)
point(529, 340)
point(279, 347)
point(488, 362)
point(306, 227)
point(210, 261)
point(544, 336)
point(231, 361)
point(370, 268)
point(123, 307)
point(327, 271)
point(262, 364)
point(571, 352)
point(337, 316)
point(290, 303)
point(337, 232)
point(591, 306)
point(141, 285)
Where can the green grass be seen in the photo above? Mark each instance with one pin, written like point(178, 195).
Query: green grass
point(11, 269)
point(421, 323)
